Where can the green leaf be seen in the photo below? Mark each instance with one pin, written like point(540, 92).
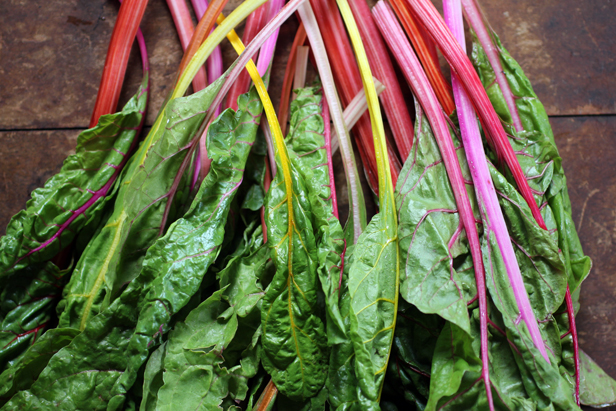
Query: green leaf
point(373, 292)
point(96, 360)
point(27, 306)
point(115, 256)
point(438, 273)
point(175, 265)
point(23, 372)
point(307, 141)
point(153, 378)
point(597, 389)
point(541, 161)
point(294, 343)
point(76, 195)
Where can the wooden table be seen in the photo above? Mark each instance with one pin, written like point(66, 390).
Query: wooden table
point(52, 53)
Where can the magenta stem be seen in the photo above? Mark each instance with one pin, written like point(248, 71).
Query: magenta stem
point(330, 163)
point(432, 21)
point(416, 77)
point(267, 50)
point(474, 17)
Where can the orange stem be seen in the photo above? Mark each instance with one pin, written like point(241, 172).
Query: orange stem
point(287, 83)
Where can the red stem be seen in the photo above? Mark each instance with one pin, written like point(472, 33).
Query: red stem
point(348, 81)
point(124, 32)
point(427, 55)
point(185, 29)
point(427, 14)
point(392, 98)
point(330, 163)
point(576, 347)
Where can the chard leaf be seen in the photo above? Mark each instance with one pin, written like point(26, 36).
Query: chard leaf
point(27, 307)
point(538, 153)
point(597, 389)
point(175, 265)
point(115, 256)
point(306, 138)
point(197, 374)
point(76, 195)
point(23, 372)
point(96, 360)
point(294, 342)
point(438, 277)
point(153, 378)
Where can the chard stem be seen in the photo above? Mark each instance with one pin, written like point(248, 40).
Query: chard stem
point(421, 87)
point(474, 17)
point(287, 83)
point(392, 98)
point(356, 202)
point(427, 14)
point(122, 37)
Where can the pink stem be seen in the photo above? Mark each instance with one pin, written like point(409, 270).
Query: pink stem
point(267, 50)
point(427, 14)
point(416, 77)
point(330, 163)
point(184, 26)
point(473, 15)
point(576, 347)
point(392, 98)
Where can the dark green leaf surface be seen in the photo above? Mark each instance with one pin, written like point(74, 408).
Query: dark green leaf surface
point(89, 372)
point(438, 273)
point(307, 140)
point(27, 306)
point(23, 372)
point(176, 264)
point(75, 196)
point(114, 257)
point(294, 341)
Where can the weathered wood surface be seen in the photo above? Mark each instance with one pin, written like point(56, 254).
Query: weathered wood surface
point(52, 53)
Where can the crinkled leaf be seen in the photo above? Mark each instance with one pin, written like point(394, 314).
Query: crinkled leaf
point(308, 142)
point(75, 196)
point(438, 273)
point(115, 256)
point(97, 358)
point(27, 305)
point(23, 372)
point(597, 389)
point(176, 264)
point(294, 341)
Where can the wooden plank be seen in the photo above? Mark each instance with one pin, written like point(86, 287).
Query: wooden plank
point(566, 48)
point(29, 158)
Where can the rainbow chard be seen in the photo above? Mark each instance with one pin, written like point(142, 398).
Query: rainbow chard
point(153, 296)
point(176, 264)
point(434, 24)
point(307, 139)
point(541, 162)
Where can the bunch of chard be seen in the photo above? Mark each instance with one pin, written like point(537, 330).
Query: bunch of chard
point(206, 267)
